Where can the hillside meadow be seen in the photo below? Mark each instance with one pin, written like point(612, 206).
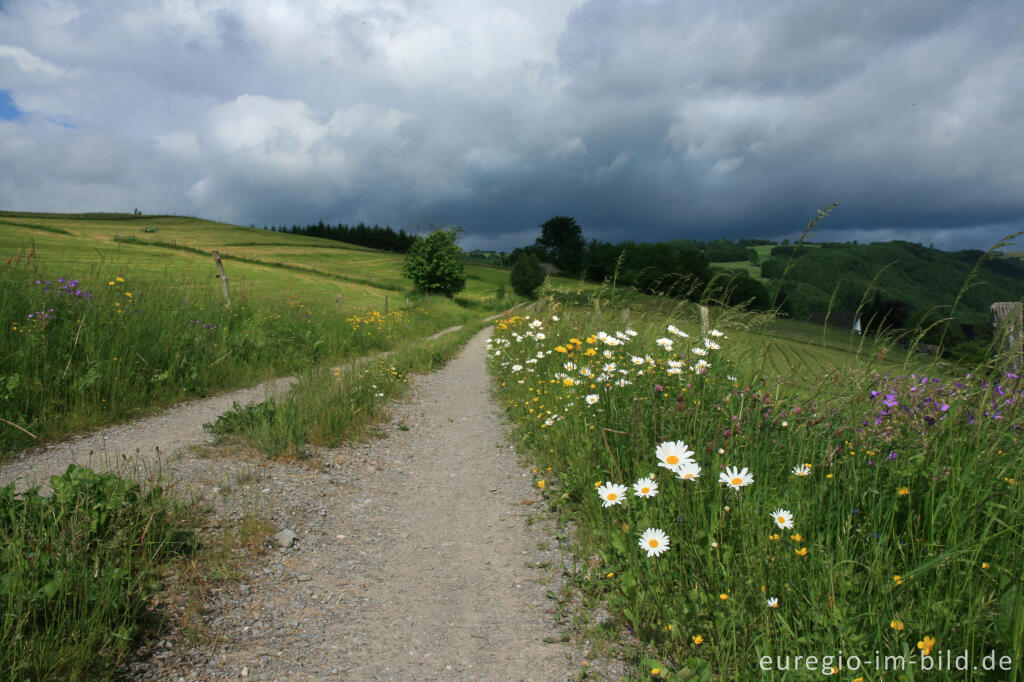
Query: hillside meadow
point(107, 317)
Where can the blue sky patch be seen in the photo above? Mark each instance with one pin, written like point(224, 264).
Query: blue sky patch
point(8, 111)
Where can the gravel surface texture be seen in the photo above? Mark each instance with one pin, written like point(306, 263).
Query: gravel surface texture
point(409, 557)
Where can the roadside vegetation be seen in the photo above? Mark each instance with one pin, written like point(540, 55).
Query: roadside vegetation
point(85, 348)
point(726, 514)
point(78, 573)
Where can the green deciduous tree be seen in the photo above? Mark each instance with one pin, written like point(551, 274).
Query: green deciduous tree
point(527, 274)
point(561, 243)
point(434, 264)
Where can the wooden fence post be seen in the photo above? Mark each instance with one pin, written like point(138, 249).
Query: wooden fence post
point(1008, 324)
point(223, 278)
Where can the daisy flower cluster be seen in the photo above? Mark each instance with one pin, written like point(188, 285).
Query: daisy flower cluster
point(678, 458)
point(742, 496)
point(582, 370)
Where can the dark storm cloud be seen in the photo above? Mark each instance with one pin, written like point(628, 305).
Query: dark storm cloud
point(644, 120)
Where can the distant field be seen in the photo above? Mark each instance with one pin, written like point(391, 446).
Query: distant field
point(363, 276)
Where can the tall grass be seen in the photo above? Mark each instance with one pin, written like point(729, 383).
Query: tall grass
point(331, 404)
point(81, 349)
point(907, 524)
point(77, 571)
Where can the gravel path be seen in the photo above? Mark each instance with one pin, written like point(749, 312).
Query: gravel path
point(139, 447)
point(413, 559)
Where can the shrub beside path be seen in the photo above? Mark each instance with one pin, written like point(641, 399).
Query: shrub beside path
point(412, 558)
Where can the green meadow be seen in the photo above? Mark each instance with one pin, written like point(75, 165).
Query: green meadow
point(759, 490)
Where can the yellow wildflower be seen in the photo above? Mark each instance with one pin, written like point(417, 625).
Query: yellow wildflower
point(926, 644)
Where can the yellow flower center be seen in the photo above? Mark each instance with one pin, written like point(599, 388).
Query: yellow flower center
point(781, 519)
point(611, 496)
point(653, 542)
point(645, 490)
point(737, 481)
point(672, 459)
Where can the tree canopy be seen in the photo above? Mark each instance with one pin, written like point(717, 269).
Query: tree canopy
point(561, 243)
point(434, 265)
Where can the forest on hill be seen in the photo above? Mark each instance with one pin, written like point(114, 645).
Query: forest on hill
point(912, 282)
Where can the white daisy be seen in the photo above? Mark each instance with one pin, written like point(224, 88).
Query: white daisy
point(688, 471)
point(592, 398)
point(672, 371)
point(699, 351)
point(665, 343)
point(516, 368)
point(673, 453)
point(610, 367)
point(701, 366)
point(783, 518)
point(773, 602)
point(569, 366)
point(612, 494)
point(711, 345)
point(645, 487)
point(536, 324)
point(630, 332)
point(735, 478)
point(715, 332)
point(654, 541)
point(636, 359)
point(802, 470)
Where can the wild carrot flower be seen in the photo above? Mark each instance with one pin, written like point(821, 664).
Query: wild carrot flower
point(654, 541)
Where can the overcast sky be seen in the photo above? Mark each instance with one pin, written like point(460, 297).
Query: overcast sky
point(642, 119)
